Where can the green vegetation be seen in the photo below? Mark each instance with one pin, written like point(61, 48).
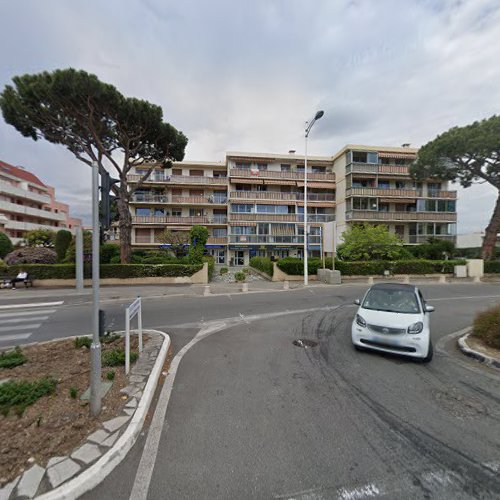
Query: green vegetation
point(109, 251)
point(87, 247)
point(224, 270)
point(211, 265)
point(487, 327)
point(434, 249)
point(116, 357)
point(245, 270)
point(73, 392)
point(178, 242)
point(62, 242)
point(83, 342)
point(5, 245)
point(31, 255)
point(110, 375)
point(240, 276)
point(109, 338)
point(492, 266)
point(263, 264)
point(198, 236)
point(18, 395)
point(13, 358)
point(40, 238)
point(365, 242)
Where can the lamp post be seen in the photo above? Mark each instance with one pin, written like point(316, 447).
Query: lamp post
point(317, 116)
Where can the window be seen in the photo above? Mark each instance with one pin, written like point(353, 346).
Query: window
point(243, 230)
point(362, 183)
point(318, 170)
point(142, 235)
point(196, 212)
point(219, 232)
point(433, 186)
point(262, 166)
point(300, 168)
point(243, 187)
point(384, 184)
point(177, 171)
point(263, 228)
point(364, 203)
point(239, 208)
point(176, 212)
point(220, 173)
point(383, 207)
point(159, 212)
point(196, 173)
point(400, 185)
point(285, 167)
point(143, 212)
point(244, 166)
point(196, 192)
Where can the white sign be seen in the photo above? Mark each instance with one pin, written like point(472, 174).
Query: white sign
point(134, 309)
point(329, 237)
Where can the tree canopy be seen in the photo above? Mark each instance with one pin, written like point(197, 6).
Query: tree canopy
point(94, 121)
point(40, 238)
point(469, 154)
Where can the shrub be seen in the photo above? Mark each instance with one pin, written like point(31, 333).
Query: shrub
point(211, 265)
point(87, 248)
point(63, 240)
point(245, 270)
point(368, 268)
point(487, 327)
point(115, 260)
point(198, 236)
point(5, 245)
point(295, 266)
point(19, 394)
point(492, 266)
point(109, 251)
point(12, 358)
point(83, 342)
point(240, 276)
point(469, 253)
point(116, 357)
point(73, 392)
point(31, 255)
point(434, 249)
point(263, 264)
point(110, 375)
point(224, 270)
point(40, 238)
point(124, 271)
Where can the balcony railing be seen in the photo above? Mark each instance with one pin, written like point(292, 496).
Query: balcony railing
point(399, 193)
point(7, 188)
point(171, 219)
point(35, 212)
point(178, 199)
point(375, 168)
point(422, 238)
point(179, 179)
point(273, 239)
point(280, 217)
point(271, 195)
point(217, 241)
point(440, 193)
point(273, 174)
point(401, 216)
point(27, 226)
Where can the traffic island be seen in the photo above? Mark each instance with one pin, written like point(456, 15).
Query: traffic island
point(476, 349)
point(55, 448)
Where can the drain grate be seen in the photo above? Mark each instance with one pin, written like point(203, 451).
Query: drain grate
point(305, 343)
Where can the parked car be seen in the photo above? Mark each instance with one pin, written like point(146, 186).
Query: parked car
point(394, 318)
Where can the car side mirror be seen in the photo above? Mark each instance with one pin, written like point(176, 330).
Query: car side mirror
point(357, 302)
point(429, 309)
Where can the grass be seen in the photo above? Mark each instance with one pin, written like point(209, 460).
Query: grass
point(19, 394)
point(110, 375)
point(245, 270)
point(107, 338)
point(116, 357)
point(486, 327)
point(83, 342)
point(73, 392)
point(12, 358)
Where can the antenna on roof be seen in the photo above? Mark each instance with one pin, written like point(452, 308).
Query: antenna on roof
point(405, 145)
point(291, 151)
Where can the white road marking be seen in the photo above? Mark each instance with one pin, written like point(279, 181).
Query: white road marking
point(369, 490)
point(19, 336)
point(20, 320)
point(18, 327)
point(26, 313)
point(465, 298)
point(36, 304)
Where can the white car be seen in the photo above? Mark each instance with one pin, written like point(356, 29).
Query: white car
point(393, 318)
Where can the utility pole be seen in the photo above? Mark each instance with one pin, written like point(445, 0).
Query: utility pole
point(79, 258)
point(95, 348)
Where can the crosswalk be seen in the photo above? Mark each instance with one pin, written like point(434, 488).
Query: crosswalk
point(19, 322)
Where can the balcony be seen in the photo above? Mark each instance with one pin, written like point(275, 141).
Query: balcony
point(270, 195)
point(15, 208)
point(272, 174)
point(400, 193)
point(259, 239)
point(239, 217)
point(27, 226)
point(180, 179)
point(439, 193)
point(422, 238)
point(170, 219)
point(8, 188)
point(375, 168)
point(360, 215)
point(177, 199)
point(217, 241)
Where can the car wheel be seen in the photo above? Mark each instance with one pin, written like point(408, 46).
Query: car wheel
point(430, 354)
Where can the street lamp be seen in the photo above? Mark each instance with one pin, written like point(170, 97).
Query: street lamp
point(317, 116)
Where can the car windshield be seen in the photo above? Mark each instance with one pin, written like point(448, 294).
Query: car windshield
point(398, 301)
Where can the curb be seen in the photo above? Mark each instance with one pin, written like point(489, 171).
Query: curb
point(97, 472)
point(479, 356)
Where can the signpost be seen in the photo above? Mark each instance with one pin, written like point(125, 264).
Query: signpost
point(134, 309)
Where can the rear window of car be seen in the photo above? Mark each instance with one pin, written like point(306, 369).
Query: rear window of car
point(392, 300)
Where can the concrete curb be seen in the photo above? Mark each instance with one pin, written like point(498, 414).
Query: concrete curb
point(96, 473)
point(479, 356)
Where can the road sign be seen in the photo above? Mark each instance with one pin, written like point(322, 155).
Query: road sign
point(134, 309)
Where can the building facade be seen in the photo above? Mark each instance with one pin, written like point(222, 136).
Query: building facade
point(26, 203)
point(253, 203)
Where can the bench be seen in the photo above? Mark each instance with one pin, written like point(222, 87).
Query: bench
point(7, 283)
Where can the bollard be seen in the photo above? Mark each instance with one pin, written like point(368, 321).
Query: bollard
point(477, 279)
point(286, 285)
point(206, 291)
point(244, 287)
point(442, 279)
point(370, 280)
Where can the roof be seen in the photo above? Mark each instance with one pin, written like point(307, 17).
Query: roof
point(380, 149)
point(393, 286)
point(20, 173)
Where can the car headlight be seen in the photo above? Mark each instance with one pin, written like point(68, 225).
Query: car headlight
point(416, 327)
point(360, 321)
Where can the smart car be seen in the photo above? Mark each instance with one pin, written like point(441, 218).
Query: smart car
point(393, 318)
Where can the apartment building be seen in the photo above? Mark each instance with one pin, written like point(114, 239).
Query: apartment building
point(26, 203)
point(253, 203)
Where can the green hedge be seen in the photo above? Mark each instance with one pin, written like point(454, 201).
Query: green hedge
point(263, 264)
point(211, 265)
point(492, 266)
point(122, 271)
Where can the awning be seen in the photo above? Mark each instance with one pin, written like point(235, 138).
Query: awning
point(274, 202)
point(281, 182)
point(246, 181)
point(325, 204)
point(317, 185)
point(398, 200)
point(398, 156)
point(242, 223)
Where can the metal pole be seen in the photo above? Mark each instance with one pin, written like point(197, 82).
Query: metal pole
point(334, 244)
point(95, 348)
point(127, 340)
point(79, 258)
point(306, 274)
point(139, 325)
point(322, 245)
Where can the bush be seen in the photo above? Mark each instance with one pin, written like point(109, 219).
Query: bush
point(110, 375)
point(87, 248)
point(31, 255)
point(492, 266)
point(487, 327)
point(434, 249)
point(469, 253)
point(263, 264)
point(12, 358)
point(109, 251)
point(240, 276)
point(73, 392)
point(372, 267)
point(19, 394)
point(295, 266)
point(198, 236)
point(211, 265)
point(116, 357)
point(5, 245)
point(83, 342)
point(40, 238)
point(63, 240)
point(116, 260)
point(224, 270)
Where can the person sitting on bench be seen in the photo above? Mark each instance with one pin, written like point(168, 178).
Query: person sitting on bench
point(22, 275)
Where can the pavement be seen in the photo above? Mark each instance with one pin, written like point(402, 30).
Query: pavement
point(250, 415)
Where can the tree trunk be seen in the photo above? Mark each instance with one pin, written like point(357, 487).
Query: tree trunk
point(125, 225)
point(490, 236)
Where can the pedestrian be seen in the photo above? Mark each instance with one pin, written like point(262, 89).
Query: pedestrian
point(21, 276)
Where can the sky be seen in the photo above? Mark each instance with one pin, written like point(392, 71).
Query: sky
point(235, 75)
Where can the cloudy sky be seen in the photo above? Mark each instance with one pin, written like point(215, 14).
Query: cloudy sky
point(245, 75)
